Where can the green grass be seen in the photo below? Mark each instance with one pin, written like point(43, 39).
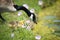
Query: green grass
point(20, 33)
point(49, 31)
point(45, 31)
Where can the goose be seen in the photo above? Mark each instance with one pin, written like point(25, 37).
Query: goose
point(10, 6)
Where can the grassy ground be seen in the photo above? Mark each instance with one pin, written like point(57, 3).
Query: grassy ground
point(46, 27)
point(47, 32)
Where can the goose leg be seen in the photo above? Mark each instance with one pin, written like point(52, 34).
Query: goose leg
point(2, 18)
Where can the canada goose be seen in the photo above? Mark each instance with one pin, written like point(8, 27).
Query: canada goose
point(8, 5)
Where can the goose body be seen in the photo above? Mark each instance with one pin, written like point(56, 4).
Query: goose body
point(7, 5)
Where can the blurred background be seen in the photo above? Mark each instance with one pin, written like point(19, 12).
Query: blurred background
point(20, 27)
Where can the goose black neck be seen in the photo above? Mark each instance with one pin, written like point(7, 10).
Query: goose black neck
point(24, 9)
point(27, 12)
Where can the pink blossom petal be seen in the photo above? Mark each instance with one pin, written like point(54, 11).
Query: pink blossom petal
point(28, 21)
point(38, 37)
point(19, 13)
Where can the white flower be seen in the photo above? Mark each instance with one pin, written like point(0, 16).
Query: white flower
point(23, 26)
point(28, 28)
point(12, 35)
point(19, 13)
point(26, 6)
point(28, 21)
point(37, 37)
point(32, 11)
point(40, 2)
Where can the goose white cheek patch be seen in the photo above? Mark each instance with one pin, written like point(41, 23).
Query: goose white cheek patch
point(31, 17)
point(11, 8)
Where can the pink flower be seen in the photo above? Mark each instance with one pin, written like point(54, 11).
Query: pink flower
point(37, 37)
point(19, 13)
point(28, 21)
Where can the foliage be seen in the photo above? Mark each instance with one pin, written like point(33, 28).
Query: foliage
point(19, 34)
point(45, 27)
